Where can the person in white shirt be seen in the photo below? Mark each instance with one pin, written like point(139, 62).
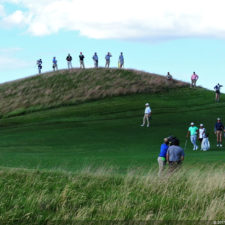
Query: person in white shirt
point(205, 143)
point(201, 133)
point(147, 114)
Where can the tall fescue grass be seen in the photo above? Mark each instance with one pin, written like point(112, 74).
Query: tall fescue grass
point(53, 197)
point(75, 86)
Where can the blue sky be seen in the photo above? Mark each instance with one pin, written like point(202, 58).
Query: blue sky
point(176, 40)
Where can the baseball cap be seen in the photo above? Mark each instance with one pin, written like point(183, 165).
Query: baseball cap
point(147, 104)
point(201, 125)
point(218, 118)
point(192, 123)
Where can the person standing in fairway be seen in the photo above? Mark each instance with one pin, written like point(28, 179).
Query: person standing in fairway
point(147, 115)
point(217, 90)
point(194, 79)
point(162, 156)
point(193, 132)
point(219, 128)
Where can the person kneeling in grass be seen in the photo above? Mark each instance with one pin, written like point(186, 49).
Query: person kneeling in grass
point(162, 156)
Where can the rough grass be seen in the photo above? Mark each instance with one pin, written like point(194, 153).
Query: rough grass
point(34, 197)
point(72, 87)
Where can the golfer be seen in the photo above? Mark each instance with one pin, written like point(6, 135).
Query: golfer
point(162, 156)
point(175, 155)
point(194, 79)
point(193, 132)
point(147, 115)
point(217, 90)
point(201, 133)
point(219, 128)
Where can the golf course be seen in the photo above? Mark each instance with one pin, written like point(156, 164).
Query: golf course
point(72, 150)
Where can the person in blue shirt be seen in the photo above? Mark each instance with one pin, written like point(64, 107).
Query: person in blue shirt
point(162, 156)
point(54, 66)
point(121, 60)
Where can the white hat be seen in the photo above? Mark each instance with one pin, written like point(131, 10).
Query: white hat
point(201, 125)
point(218, 118)
point(192, 124)
point(147, 104)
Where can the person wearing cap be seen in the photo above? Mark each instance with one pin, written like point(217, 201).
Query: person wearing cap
point(175, 155)
point(81, 57)
point(107, 59)
point(95, 58)
point(69, 61)
point(219, 128)
point(201, 133)
point(162, 155)
point(147, 114)
point(194, 79)
point(193, 132)
point(217, 90)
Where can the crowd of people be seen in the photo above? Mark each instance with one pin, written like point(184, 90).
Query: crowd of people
point(81, 59)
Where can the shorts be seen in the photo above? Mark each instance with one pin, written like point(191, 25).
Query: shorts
point(217, 92)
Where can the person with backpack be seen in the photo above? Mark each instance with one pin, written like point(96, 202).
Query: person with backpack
point(217, 90)
point(107, 59)
point(194, 79)
point(193, 132)
point(162, 156)
point(81, 57)
point(39, 64)
point(54, 66)
point(147, 115)
point(95, 58)
point(121, 61)
point(219, 128)
point(69, 61)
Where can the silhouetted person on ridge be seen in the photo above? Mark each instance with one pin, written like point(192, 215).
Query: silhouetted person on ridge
point(121, 61)
point(194, 79)
point(95, 58)
point(69, 61)
point(81, 57)
point(169, 76)
point(54, 66)
point(39, 64)
point(217, 89)
point(107, 58)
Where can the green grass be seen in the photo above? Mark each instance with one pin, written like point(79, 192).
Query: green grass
point(108, 133)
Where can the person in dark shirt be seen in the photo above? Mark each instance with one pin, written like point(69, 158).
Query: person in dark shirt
point(219, 128)
point(162, 156)
point(217, 90)
point(69, 61)
point(81, 56)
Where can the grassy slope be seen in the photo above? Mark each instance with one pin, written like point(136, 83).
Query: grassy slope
point(107, 134)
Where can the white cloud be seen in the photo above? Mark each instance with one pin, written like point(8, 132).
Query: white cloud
point(122, 19)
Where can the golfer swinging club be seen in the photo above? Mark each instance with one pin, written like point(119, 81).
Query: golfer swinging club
point(147, 115)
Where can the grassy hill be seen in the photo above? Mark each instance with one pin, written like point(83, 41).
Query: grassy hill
point(76, 86)
point(87, 158)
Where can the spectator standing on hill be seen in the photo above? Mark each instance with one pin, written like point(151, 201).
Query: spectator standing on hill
point(54, 66)
point(147, 115)
point(95, 58)
point(69, 61)
point(121, 61)
point(39, 64)
point(219, 128)
point(193, 131)
point(201, 133)
point(162, 156)
point(175, 154)
point(194, 79)
point(81, 57)
point(169, 76)
point(217, 89)
point(107, 59)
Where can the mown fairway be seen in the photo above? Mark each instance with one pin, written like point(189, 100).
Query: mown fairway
point(107, 133)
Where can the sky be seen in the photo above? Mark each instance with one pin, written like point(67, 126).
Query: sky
point(176, 36)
